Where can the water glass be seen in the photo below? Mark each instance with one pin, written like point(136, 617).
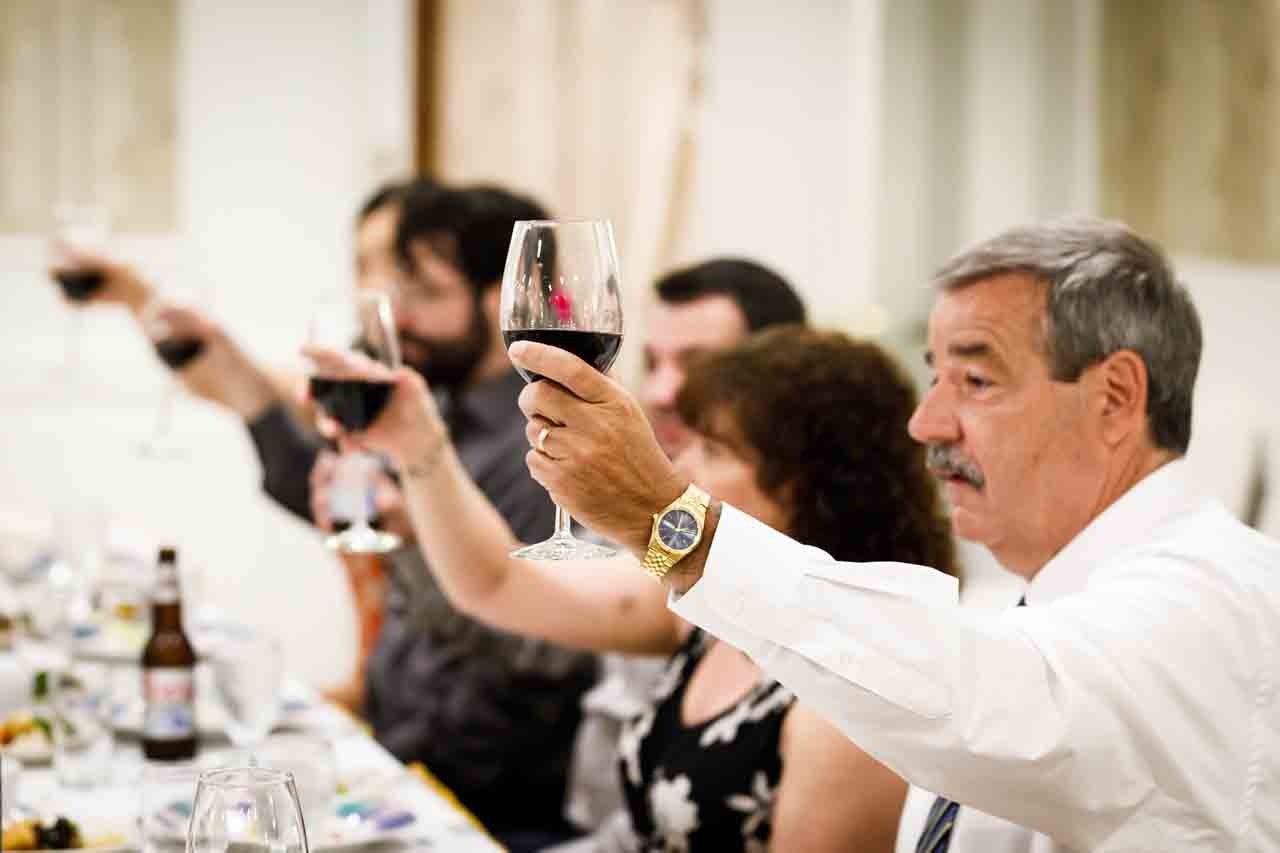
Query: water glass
point(314, 765)
point(10, 776)
point(247, 670)
point(165, 797)
point(82, 735)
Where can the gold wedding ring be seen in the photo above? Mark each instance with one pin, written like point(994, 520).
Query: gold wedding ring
point(542, 437)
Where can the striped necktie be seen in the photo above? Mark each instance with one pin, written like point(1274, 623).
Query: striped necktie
point(936, 837)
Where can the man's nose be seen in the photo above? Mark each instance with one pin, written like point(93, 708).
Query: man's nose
point(934, 420)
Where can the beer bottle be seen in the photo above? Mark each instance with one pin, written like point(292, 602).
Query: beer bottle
point(168, 672)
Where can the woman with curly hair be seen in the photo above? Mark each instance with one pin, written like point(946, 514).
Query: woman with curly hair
point(805, 431)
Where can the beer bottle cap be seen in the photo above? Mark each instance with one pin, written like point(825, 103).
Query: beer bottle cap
point(168, 555)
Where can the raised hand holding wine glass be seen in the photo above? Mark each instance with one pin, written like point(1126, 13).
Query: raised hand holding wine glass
point(355, 404)
point(560, 287)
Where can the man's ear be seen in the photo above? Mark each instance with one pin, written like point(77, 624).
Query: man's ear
point(1120, 395)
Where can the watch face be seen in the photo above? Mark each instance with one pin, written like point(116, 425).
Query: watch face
point(678, 529)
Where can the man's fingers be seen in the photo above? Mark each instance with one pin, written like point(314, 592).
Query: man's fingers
point(322, 471)
point(328, 427)
point(539, 440)
point(563, 367)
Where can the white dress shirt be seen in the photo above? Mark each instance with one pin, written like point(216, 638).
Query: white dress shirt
point(1131, 707)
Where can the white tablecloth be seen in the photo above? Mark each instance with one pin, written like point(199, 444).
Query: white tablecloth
point(439, 824)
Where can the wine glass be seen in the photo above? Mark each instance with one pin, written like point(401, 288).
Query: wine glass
point(83, 227)
point(176, 349)
point(356, 403)
point(560, 287)
point(246, 808)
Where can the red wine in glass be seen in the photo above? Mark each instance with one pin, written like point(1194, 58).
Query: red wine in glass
point(80, 285)
point(177, 353)
point(354, 403)
point(598, 349)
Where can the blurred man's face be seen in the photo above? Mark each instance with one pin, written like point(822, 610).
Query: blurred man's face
point(444, 332)
point(678, 332)
point(375, 248)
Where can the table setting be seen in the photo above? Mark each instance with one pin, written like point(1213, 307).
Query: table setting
point(72, 769)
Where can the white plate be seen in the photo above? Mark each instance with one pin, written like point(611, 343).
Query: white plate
point(353, 824)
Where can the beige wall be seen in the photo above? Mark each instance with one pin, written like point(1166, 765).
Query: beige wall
point(88, 100)
point(1191, 124)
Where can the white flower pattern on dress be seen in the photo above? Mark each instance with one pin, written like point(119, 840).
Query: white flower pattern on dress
point(629, 741)
point(675, 815)
point(671, 678)
point(634, 733)
point(757, 807)
point(751, 709)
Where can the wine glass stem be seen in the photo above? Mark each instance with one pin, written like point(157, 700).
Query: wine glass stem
point(361, 521)
point(164, 412)
point(564, 524)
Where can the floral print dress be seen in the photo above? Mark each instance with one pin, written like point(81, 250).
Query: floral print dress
point(707, 787)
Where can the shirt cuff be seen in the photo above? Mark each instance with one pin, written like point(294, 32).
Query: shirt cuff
point(867, 623)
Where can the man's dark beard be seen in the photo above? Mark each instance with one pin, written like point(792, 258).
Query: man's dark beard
point(450, 363)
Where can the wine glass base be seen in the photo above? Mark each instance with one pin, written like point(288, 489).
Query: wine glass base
point(160, 449)
point(564, 548)
point(366, 540)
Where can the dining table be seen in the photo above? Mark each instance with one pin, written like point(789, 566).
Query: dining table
point(370, 781)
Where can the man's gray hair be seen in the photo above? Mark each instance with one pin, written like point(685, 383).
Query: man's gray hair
point(1109, 290)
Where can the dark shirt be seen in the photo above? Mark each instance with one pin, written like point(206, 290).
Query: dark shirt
point(493, 715)
point(709, 786)
point(287, 450)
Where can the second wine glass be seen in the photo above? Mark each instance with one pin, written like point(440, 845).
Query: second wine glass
point(560, 287)
point(355, 403)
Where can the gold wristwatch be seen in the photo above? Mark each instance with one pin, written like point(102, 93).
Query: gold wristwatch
point(677, 530)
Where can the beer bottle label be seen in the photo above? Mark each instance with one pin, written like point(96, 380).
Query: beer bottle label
point(170, 694)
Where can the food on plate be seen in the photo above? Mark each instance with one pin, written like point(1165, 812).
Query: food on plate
point(60, 834)
point(23, 724)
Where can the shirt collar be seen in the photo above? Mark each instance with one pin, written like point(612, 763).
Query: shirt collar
point(1153, 502)
point(487, 404)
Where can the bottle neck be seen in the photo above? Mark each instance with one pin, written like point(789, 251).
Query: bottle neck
point(166, 602)
point(166, 616)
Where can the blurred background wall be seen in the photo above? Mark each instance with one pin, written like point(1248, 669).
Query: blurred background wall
point(852, 144)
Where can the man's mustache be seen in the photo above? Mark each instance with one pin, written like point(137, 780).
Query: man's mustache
point(945, 461)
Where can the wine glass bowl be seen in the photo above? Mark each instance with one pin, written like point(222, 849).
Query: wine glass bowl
point(78, 226)
point(246, 808)
point(560, 288)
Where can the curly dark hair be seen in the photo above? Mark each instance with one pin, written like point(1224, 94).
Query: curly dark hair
point(825, 417)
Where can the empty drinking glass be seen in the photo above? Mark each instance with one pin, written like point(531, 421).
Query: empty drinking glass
point(244, 809)
point(314, 765)
point(165, 796)
point(247, 670)
point(80, 696)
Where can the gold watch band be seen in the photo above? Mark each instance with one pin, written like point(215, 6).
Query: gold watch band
point(658, 559)
point(657, 563)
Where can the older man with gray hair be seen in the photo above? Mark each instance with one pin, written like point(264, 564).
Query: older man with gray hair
point(1132, 705)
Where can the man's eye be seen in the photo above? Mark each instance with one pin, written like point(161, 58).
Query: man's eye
point(977, 383)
